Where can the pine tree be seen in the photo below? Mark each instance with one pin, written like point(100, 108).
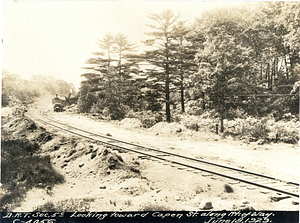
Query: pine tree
point(162, 38)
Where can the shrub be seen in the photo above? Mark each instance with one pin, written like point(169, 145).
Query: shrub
point(236, 113)
point(148, 122)
point(195, 107)
point(153, 207)
point(97, 108)
point(68, 205)
point(148, 118)
point(265, 129)
point(198, 123)
point(287, 132)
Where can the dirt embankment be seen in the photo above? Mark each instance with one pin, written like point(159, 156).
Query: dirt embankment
point(72, 174)
point(50, 160)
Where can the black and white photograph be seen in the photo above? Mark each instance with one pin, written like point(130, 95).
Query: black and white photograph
point(150, 111)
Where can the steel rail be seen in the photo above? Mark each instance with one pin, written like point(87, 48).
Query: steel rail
point(176, 162)
point(177, 155)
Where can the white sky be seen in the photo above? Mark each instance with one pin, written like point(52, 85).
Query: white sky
point(55, 38)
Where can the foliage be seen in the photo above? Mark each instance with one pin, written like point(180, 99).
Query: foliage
point(224, 63)
point(16, 89)
point(153, 207)
point(108, 86)
point(195, 107)
point(148, 119)
point(265, 129)
point(236, 113)
point(68, 205)
point(18, 178)
point(199, 123)
point(162, 38)
point(233, 63)
point(152, 99)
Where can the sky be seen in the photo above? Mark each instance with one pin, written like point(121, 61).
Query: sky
point(55, 38)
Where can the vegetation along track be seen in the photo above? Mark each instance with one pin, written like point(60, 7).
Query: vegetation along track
point(242, 177)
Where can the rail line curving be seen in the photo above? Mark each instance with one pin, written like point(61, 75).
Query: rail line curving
point(215, 170)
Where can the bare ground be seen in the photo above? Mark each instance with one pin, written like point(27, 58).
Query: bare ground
point(159, 186)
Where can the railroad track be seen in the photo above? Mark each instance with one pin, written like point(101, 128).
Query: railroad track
point(241, 177)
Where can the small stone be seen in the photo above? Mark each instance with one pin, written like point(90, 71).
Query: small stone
point(102, 187)
point(205, 205)
point(108, 134)
point(158, 190)
point(177, 198)
point(228, 188)
point(81, 164)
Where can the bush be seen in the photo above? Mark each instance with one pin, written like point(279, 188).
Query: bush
point(148, 118)
point(194, 107)
point(198, 122)
point(287, 132)
point(265, 129)
point(236, 113)
point(97, 108)
point(116, 112)
point(68, 205)
point(22, 170)
point(148, 122)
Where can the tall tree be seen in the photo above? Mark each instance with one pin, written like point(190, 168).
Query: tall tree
point(107, 80)
point(183, 55)
point(224, 62)
point(121, 47)
point(162, 37)
point(97, 70)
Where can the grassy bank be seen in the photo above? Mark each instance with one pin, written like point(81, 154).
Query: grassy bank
point(22, 169)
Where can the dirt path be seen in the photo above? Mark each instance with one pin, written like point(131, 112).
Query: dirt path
point(163, 187)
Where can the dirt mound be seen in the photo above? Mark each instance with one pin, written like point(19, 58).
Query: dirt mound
point(111, 160)
point(167, 128)
point(84, 158)
point(131, 123)
point(20, 125)
point(25, 127)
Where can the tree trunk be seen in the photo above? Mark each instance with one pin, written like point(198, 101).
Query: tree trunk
point(286, 68)
point(181, 79)
point(167, 90)
point(182, 94)
point(222, 118)
point(168, 113)
point(261, 71)
point(268, 75)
